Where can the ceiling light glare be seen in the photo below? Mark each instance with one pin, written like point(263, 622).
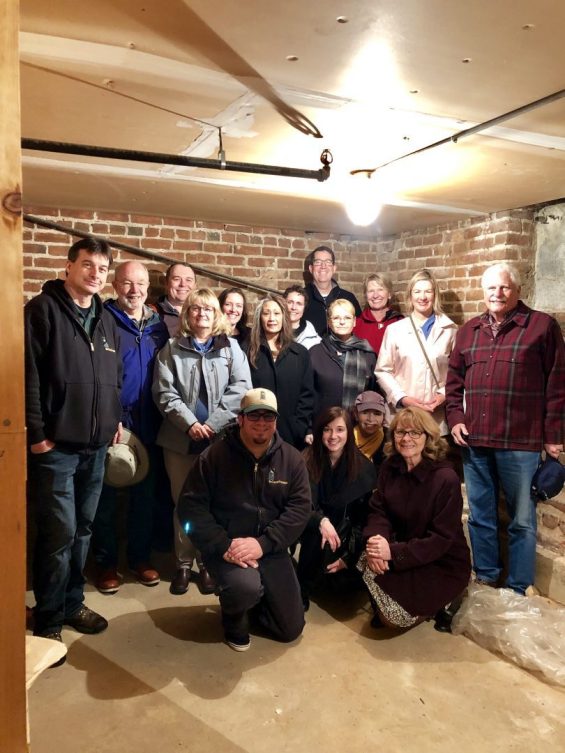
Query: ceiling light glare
point(363, 200)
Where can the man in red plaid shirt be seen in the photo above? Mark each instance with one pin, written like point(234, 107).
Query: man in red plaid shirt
point(505, 402)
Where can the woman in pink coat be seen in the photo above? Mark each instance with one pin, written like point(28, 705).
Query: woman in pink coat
point(412, 364)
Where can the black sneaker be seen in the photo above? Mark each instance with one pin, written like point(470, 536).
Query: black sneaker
point(55, 635)
point(85, 620)
point(238, 642)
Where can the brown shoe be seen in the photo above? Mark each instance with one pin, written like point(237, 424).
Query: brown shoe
point(145, 574)
point(207, 584)
point(108, 581)
point(181, 581)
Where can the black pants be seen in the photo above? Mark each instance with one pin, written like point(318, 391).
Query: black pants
point(273, 587)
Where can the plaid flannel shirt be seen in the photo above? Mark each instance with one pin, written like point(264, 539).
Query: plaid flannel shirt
point(509, 390)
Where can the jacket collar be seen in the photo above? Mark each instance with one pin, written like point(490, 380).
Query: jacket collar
point(520, 317)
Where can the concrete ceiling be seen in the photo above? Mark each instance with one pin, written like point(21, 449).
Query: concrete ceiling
point(378, 78)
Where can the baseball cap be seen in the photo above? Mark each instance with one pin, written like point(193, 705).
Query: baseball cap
point(259, 399)
point(549, 479)
point(370, 401)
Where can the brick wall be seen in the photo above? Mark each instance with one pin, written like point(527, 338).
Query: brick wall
point(274, 257)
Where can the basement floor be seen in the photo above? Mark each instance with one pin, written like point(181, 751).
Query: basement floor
point(161, 680)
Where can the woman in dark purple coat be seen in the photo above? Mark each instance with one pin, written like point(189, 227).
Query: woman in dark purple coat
point(416, 559)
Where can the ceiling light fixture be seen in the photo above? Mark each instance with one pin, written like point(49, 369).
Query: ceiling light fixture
point(363, 201)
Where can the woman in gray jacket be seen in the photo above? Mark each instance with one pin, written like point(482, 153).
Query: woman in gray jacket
point(199, 380)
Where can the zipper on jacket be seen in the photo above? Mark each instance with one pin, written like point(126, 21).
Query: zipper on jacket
point(257, 500)
point(216, 383)
point(94, 381)
point(191, 385)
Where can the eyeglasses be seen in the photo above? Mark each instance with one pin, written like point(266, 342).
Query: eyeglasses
point(322, 263)
point(412, 433)
point(201, 309)
point(267, 416)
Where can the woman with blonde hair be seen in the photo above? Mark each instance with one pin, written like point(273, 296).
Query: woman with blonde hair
point(343, 363)
point(416, 559)
point(377, 314)
point(200, 377)
point(282, 365)
point(412, 363)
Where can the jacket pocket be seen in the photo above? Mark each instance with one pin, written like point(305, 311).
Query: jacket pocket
point(108, 413)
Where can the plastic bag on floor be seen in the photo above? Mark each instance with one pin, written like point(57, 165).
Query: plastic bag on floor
point(529, 630)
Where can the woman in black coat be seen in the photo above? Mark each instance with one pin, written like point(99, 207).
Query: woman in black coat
point(343, 364)
point(417, 560)
point(341, 480)
point(282, 366)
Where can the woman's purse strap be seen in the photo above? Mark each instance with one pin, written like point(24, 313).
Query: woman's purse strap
point(421, 344)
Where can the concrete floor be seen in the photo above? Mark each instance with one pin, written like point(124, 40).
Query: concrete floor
point(160, 680)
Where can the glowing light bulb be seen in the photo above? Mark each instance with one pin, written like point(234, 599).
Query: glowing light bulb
point(363, 201)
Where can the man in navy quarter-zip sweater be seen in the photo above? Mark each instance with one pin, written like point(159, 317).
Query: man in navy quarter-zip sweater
point(73, 381)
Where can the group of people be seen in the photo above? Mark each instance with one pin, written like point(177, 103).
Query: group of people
point(304, 447)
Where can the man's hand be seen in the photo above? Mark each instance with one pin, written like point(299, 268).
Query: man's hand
point(40, 448)
point(118, 435)
point(244, 552)
point(460, 435)
point(553, 449)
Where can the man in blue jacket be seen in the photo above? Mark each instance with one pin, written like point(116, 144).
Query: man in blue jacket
point(73, 379)
point(142, 335)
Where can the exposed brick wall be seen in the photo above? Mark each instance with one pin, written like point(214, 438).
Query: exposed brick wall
point(275, 257)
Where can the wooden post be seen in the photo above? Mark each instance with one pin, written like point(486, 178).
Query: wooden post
point(12, 424)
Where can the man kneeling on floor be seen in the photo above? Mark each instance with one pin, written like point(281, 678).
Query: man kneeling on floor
point(245, 501)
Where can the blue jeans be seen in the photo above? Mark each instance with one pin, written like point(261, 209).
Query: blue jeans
point(141, 503)
point(65, 486)
point(486, 470)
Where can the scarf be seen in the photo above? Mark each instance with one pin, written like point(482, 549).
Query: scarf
point(368, 445)
point(354, 363)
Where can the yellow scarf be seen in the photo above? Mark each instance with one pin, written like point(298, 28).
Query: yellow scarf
point(368, 445)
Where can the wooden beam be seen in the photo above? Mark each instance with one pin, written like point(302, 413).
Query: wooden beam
point(12, 423)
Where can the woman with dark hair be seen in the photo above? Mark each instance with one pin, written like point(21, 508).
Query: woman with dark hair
point(341, 481)
point(234, 305)
point(417, 559)
point(377, 314)
point(343, 363)
point(283, 366)
point(296, 299)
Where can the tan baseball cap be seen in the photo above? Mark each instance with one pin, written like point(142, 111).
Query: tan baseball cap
point(259, 399)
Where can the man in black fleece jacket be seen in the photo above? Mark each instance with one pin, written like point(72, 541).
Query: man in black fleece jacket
point(73, 380)
point(245, 501)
